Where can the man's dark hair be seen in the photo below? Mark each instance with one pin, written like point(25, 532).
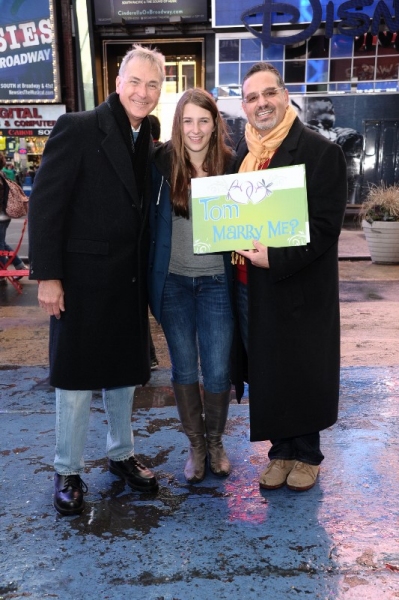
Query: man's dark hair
point(264, 66)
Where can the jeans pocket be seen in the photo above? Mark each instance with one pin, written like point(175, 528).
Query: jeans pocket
point(220, 278)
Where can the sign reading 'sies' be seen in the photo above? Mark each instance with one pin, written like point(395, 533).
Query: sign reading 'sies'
point(28, 65)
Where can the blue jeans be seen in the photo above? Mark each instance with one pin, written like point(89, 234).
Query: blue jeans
point(72, 422)
point(17, 262)
point(198, 324)
point(242, 308)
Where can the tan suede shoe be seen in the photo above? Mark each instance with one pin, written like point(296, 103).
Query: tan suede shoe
point(275, 474)
point(302, 477)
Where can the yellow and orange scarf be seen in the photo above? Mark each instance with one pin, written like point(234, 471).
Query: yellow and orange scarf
point(261, 149)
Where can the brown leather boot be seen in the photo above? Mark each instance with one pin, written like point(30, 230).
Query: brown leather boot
point(189, 407)
point(216, 409)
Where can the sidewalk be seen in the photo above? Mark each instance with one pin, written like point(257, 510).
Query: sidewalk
point(224, 539)
point(352, 244)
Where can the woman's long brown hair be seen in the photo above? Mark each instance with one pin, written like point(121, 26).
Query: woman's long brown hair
point(217, 156)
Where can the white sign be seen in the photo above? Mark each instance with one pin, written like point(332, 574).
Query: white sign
point(29, 119)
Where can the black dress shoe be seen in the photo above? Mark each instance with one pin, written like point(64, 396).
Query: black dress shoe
point(68, 494)
point(136, 475)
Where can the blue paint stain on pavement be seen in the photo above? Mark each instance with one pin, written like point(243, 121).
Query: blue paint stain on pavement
point(221, 539)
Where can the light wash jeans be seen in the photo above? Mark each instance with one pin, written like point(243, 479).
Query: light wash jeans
point(72, 422)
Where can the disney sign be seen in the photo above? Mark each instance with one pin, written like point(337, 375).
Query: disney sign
point(351, 23)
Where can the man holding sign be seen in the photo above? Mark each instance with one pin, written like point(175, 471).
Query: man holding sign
point(288, 297)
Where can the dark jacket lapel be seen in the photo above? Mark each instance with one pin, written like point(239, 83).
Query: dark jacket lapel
point(117, 153)
point(285, 154)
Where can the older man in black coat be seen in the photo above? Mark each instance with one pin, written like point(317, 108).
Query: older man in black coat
point(292, 323)
point(88, 232)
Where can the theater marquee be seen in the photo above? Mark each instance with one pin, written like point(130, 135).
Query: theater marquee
point(28, 59)
point(149, 12)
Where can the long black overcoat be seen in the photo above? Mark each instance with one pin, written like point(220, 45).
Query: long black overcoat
point(294, 323)
point(87, 227)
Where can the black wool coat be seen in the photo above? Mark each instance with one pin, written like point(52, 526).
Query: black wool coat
point(294, 323)
point(89, 228)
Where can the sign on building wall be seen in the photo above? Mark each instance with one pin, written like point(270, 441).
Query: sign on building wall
point(149, 12)
point(229, 14)
point(29, 120)
point(351, 17)
point(366, 126)
point(28, 60)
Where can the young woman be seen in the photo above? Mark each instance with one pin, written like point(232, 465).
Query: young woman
point(189, 293)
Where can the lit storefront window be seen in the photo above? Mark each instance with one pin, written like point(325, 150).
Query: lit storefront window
point(366, 63)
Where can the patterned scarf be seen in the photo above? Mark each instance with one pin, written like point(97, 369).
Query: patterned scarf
point(261, 149)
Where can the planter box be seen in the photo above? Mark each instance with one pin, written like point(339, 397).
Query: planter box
point(383, 241)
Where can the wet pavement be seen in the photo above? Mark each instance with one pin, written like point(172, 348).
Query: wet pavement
point(224, 538)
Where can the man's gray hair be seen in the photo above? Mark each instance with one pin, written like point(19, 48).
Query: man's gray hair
point(152, 55)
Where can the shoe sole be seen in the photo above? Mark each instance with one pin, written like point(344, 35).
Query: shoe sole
point(195, 479)
point(219, 473)
point(296, 488)
point(140, 488)
point(264, 486)
point(69, 513)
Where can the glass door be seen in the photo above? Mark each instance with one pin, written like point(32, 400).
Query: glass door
point(180, 76)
